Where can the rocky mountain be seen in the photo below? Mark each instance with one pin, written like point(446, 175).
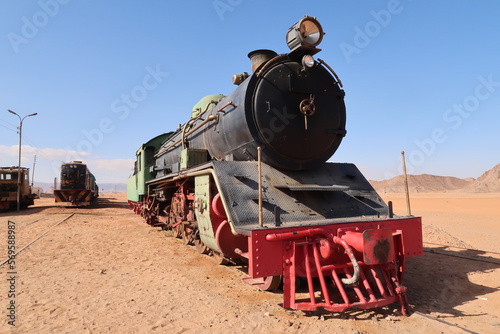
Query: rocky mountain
point(487, 183)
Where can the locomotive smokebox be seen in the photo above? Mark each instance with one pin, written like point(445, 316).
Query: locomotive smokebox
point(258, 57)
point(291, 106)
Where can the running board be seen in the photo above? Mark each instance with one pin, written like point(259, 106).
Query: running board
point(312, 187)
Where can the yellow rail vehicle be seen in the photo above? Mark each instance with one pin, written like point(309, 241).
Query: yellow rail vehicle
point(8, 188)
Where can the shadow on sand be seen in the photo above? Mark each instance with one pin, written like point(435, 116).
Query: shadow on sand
point(439, 281)
point(111, 202)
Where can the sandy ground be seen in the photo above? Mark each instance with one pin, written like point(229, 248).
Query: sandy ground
point(104, 271)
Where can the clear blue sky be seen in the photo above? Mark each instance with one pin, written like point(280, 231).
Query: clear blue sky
point(106, 76)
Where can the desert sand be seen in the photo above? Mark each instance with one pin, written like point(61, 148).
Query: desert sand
point(104, 271)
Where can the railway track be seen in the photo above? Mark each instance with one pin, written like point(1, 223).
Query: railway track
point(465, 253)
point(57, 253)
point(12, 232)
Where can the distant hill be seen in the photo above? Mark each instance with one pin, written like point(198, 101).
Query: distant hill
point(45, 186)
point(425, 183)
point(113, 187)
point(489, 182)
point(103, 187)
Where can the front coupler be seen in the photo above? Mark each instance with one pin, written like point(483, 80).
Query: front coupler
point(343, 267)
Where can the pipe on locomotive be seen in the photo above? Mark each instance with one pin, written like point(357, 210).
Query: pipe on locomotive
point(325, 246)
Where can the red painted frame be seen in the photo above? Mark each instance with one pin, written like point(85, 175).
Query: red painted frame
point(334, 250)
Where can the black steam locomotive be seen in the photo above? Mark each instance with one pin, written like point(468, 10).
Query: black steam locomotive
point(246, 179)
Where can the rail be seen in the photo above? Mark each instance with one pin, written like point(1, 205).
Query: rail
point(37, 238)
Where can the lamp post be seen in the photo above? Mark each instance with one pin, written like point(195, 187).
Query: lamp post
point(19, 161)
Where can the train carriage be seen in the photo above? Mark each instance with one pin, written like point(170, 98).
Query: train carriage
point(246, 179)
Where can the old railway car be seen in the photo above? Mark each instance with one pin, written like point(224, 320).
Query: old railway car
point(8, 188)
point(246, 179)
point(78, 185)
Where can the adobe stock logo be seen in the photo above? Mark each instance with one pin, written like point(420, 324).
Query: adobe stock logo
point(278, 123)
point(223, 6)
point(31, 26)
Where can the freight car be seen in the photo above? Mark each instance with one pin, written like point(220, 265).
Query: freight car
point(78, 185)
point(246, 179)
point(8, 188)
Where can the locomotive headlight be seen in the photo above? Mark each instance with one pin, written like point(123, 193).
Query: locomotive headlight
point(307, 33)
point(308, 61)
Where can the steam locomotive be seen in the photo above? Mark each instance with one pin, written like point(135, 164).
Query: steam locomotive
point(246, 179)
point(78, 185)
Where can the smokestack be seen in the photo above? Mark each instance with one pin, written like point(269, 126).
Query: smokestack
point(258, 57)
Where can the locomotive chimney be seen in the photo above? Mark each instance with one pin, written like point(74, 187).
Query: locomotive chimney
point(258, 57)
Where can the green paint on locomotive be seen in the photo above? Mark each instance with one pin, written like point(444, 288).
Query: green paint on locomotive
point(143, 167)
point(206, 103)
point(191, 157)
point(202, 211)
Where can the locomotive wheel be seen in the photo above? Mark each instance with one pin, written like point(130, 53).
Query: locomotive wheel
point(167, 225)
point(177, 231)
point(187, 235)
point(220, 259)
point(200, 246)
point(270, 283)
point(176, 228)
